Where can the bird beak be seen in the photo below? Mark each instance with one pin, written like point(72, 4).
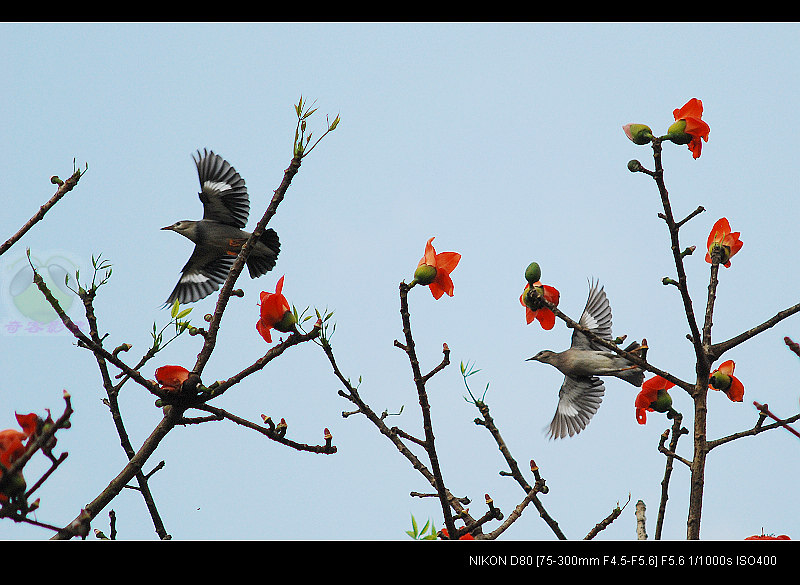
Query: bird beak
point(530, 358)
point(169, 227)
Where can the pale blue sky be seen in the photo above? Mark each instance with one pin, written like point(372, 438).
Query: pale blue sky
point(502, 140)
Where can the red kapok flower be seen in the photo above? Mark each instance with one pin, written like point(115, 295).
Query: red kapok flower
point(275, 313)
point(689, 128)
point(724, 242)
point(653, 397)
point(534, 309)
point(763, 536)
point(723, 379)
point(466, 536)
point(171, 377)
point(12, 448)
point(434, 270)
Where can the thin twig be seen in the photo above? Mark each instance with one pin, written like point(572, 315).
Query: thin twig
point(63, 188)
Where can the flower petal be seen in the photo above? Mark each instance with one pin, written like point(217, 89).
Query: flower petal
point(736, 391)
point(546, 318)
point(172, 376)
point(430, 254)
point(443, 282)
point(263, 330)
point(447, 261)
point(691, 109)
point(726, 367)
point(28, 422)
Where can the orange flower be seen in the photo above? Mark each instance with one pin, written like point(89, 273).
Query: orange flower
point(275, 313)
point(467, 536)
point(12, 448)
point(654, 398)
point(723, 379)
point(434, 270)
point(171, 377)
point(534, 309)
point(689, 128)
point(763, 536)
point(724, 241)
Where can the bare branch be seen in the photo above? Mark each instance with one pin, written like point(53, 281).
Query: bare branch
point(64, 187)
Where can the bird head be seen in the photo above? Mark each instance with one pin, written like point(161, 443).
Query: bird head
point(544, 356)
point(184, 227)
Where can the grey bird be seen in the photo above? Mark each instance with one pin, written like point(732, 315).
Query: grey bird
point(582, 391)
point(219, 236)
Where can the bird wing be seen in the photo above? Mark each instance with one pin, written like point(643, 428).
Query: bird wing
point(222, 190)
point(578, 400)
point(204, 273)
point(596, 318)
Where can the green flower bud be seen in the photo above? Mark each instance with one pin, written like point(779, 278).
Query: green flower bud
point(533, 273)
point(638, 133)
point(634, 166)
point(676, 133)
point(425, 274)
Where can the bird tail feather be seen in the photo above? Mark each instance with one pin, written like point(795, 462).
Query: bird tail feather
point(260, 262)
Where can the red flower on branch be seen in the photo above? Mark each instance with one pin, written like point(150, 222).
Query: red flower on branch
point(653, 398)
point(723, 242)
point(275, 313)
point(689, 128)
point(763, 536)
point(467, 536)
point(434, 270)
point(171, 377)
point(534, 309)
point(723, 379)
point(12, 447)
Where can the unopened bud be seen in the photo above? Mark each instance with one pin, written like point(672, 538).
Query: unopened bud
point(634, 166)
point(533, 273)
point(638, 133)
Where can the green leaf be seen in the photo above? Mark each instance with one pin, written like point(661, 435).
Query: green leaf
point(175, 308)
point(424, 528)
point(183, 313)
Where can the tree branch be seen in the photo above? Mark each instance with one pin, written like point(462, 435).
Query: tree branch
point(64, 187)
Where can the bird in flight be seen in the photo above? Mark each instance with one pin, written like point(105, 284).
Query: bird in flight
point(582, 391)
point(219, 236)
